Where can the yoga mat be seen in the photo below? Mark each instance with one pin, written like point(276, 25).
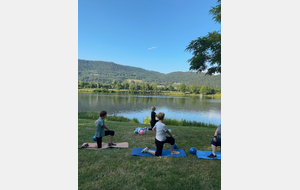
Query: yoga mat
point(203, 155)
point(105, 145)
point(165, 153)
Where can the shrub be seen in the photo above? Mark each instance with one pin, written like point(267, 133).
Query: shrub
point(147, 120)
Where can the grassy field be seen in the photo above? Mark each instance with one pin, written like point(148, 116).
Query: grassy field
point(116, 169)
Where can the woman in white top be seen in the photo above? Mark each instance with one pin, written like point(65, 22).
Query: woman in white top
point(160, 130)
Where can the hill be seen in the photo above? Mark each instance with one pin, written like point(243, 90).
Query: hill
point(102, 71)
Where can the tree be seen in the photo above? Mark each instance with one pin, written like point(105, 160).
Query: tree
point(207, 50)
point(206, 90)
point(118, 86)
point(154, 87)
point(114, 82)
point(170, 87)
point(182, 87)
point(193, 89)
point(131, 88)
point(136, 86)
point(125, 84)
point(145, 87)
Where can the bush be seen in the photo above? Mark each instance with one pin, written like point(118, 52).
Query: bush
point(147, 120)
point(134, 120)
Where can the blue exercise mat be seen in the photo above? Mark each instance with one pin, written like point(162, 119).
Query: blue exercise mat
point(165, 153)
point(203, 154)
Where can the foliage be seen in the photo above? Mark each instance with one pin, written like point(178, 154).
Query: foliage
point(216, 12)
point(147, 120)
point(95, 116)
point(182, 88)
point(207, 50)
point(134, 120)
point(148, 88)
point(206, 90)
point(194, 89)
point(183, 122)
point(118, 86)
point(131, 88)
point(170, 87)
point(154, 87)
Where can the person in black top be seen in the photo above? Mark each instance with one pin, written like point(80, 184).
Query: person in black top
point(153, 120)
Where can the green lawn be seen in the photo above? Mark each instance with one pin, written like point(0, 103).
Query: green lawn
point(114, 168)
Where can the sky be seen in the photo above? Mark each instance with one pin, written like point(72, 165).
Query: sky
point(150, 34)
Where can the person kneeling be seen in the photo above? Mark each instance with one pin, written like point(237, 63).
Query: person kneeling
point(100, 132)
point(160, 130)
point(216, 141)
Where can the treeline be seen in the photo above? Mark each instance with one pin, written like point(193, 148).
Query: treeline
point(145, 87)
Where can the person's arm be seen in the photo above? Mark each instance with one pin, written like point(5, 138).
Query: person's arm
point(105, 127)
point(154, 130)
point(169, 133)
point(96, 122)
point(215, 136)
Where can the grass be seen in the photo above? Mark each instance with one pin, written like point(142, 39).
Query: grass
point(116, 169)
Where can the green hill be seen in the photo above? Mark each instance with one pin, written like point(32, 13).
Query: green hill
point(102, 71)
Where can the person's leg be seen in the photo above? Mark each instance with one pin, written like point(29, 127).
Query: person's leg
point(215, 145)
point(111, 133)
point(214, 149)
point(159, 147)
point(171, 140)
point(99, 142)
point(151, 152)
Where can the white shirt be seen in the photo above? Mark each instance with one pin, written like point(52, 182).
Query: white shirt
point(161, 130)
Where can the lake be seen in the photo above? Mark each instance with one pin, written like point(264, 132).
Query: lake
point(206, 110)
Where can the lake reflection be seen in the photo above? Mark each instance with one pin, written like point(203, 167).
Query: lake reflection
point(139, 106)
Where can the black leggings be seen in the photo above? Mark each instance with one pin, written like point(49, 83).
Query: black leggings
point(153, 122)
point(99, 139)
point(160, 145)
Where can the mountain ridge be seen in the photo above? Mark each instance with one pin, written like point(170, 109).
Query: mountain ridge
point(104, 71)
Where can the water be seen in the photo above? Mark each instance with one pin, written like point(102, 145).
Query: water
point(139, 106)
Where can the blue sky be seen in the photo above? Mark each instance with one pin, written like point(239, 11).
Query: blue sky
point(150, 34)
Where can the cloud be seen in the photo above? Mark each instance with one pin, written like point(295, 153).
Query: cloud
point(152, 48)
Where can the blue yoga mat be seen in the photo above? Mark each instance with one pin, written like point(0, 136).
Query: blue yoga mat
point(203, 155)
point(165, 153)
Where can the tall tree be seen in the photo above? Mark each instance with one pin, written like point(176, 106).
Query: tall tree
point(125, 84)
point(182, 87)
point(136, 86)
point(170, 87)
point(207, 50)
point(118, 86)
point(193, 89)
point(131, 88)
point(206, 90)
point(154, 87)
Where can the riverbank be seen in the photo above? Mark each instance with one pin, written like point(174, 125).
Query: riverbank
point(168, 121)
point(116, 169)
point(163, 93)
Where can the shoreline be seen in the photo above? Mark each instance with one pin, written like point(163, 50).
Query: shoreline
point(164, 93)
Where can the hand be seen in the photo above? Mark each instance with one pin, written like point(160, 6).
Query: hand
point(96, 122)
point(215, 139)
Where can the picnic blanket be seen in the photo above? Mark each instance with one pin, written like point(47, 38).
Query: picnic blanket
point(165, 153)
